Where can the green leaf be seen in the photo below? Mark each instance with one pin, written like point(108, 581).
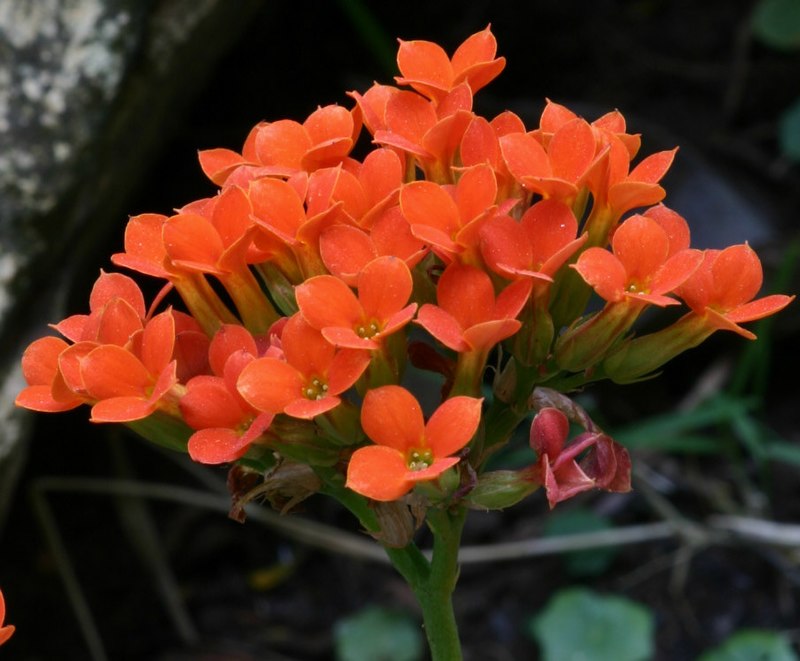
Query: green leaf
point(752, 645)
point(673, 431)
point(777, 23)
point(579, 624)
point(591, 562)
point(789, 130)
point(378, 634)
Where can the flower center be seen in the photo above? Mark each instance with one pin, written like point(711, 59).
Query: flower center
point(315, 389)
point(418, 459)
point(368, 331)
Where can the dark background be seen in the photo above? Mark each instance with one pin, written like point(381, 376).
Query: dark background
point(683, 73)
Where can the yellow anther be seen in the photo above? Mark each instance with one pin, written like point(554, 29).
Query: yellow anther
point(419, 459)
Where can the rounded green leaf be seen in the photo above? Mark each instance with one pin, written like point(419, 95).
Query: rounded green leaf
point(777, 23)
point(378, 634)
point(578, 624)
point(789, 130)
point(752, 645)
point(591, 562)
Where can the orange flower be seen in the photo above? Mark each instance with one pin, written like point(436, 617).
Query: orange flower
point(226, 424)
point(220, 245)
point(46, 390)
point(129, 383)
point(7, 630)
point(407, 450)
point(449, 218)
point(559, 170)
point(346, 250)
point(426, 67)
point(469, 318)
point(384, 287)
point(285, 147)
point(536, 246)
point(430, 135)
point(645, 265)
point(722, 290)
point(308, 381)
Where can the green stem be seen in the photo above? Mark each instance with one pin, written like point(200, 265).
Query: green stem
point(432, 581)
point(435, 594)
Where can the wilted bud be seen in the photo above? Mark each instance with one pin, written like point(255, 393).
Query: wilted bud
point(287, 485)
point(396, 522)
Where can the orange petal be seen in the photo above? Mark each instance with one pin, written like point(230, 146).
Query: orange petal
point(603, 272)
point(392, 417)
point(217, 164)
point(306, 409)
point(111, 371)
point(209, 403)
point(305, 348)
point(524, 156)
point(345, 250)
point(572, 150)
point(326, 301)
point(232, 215)
point(452, 425)
point(484, 336)
point(158, 342)
point(122, 409)
point(466, 293)
point(760, 308)
point(737, 277)
point(268, 384)
point(384, 287)
point(504, 246)
point(277, 205)
point(443, 326)
point(550, 227)
point(193, 242)
point(673, 224)
point(381, 174)
point(427, 203)
point(346, 368)
point(40, 360)
point(554, 116)
point(216, 446)
point(378, 472)
point(329, 123)
point(425, 66)
point(675, 271)
point(410, 116)
point(282, 143)
point(117, 323)
point(115, 285)
point(641, 246)
point(480, 144)
point(144, 245)
point(40, 398)
point(653, 168)
point(229, 339)
point(476, 192)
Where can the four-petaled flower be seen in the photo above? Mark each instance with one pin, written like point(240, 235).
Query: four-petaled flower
point(407, 450)
point(722, 290)
point(308, 380)
point(469, 317)
point(384, 287)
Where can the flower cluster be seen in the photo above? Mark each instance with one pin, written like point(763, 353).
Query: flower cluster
point(406, 229)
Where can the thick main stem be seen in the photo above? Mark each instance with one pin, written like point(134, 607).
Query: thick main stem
point(435, 593)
